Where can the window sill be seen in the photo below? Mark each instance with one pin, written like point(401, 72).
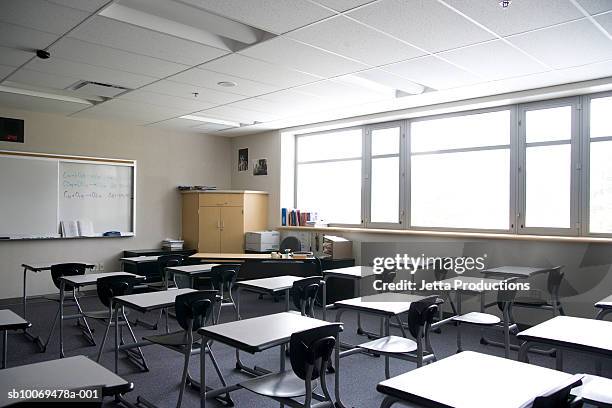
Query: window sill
point(449, 234)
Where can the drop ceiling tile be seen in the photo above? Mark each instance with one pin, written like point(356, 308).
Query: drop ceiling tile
point(295, 55)
point(87, 72)
point(13, 57)
point(586, 72)
point(343, 5)
point(212, 127)
point(137, 112)
point(236, 114)
point(41, 15)
point(260, 71)
point(423, 23)
point(87, 53)
point(270, 15)
point(191, 105)
point(596, 6)
point(181, 90)
point(85, 5)
point(335, 91)
point(284, 103)
point(521, 16)
point(353, 40)
point(35, 104)
point(115, 34)
point(177, 124)
point(494, 60)
point(567, 45)
point(42, 79)
point(432, 72)
point(210, 79)
point(5, 70)
point(13, 36)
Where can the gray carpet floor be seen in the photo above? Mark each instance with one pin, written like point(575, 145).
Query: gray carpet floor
point(359, 373)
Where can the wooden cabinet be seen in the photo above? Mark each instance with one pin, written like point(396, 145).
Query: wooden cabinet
point(215, 221)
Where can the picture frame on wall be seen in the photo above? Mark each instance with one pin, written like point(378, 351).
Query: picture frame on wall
point(243, 159)
point(260, 167)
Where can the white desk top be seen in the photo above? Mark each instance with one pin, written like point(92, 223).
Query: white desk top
point(573, 332)
point(191, 269)
point(474, 380)
point(69, 373)
point(271, 285)
point(470, 280)
point(92, 278)
point(605, 303)
point(260, 333)
point(354, 272)
point(595, 390)
point(150, 301)
point(140, 259)
point(517, 271)
point(46, 266)
point(10, 320)
point(390, 303)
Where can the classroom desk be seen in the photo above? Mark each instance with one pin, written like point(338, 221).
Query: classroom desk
point(36, 268)
point(574, 333)
point(230, 257)
point(72, 373)
point(10, 320)
point(79, 281)
point(136, 260)
point(471, 380)
point(189, 271)
point(267, 286)
point(142, 302)
point(595, 390)
point(604, 306)
point(253, 336)
point(456, 306)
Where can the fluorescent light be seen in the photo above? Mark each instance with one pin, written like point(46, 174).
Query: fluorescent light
point(211, 120)
point(45, 95)
point(389, 80)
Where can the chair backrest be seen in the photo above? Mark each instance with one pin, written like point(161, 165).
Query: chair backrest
point(168, 261)
point(421, 314)
point(560, 396)
point(116, 285)
point(311, 349)
point(194, 308)
point(291, 243)
point(224, 276)
point(304, 294)
point(555, 277)
point(66, 269)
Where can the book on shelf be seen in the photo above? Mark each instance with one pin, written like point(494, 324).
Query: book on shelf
point(297, 218)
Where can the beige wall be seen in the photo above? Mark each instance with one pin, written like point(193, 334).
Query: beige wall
point(261, 146)
point(165, 160)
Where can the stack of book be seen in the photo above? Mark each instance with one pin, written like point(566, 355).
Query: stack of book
point(298, 218)
point(172, 244)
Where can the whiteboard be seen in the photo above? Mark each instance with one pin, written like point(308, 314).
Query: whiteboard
point(99, 193)
point(38, 191)
point(28, 197)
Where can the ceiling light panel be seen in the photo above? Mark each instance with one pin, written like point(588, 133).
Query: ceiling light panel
point(353, 40)
point(271, 15)
point(425, 24)
point(42, 79)
point(520, 16)
point(138, 40)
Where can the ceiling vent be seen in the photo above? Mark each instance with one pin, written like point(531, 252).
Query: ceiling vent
point(91, 88)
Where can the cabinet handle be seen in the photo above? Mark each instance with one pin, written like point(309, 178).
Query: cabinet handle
point(222, 224)
point(218, 224)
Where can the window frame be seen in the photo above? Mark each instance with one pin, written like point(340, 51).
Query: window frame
point(297, 163)
point(574, 228)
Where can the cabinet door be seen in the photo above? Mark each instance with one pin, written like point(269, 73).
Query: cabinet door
point(232, 230)
point(210, 228)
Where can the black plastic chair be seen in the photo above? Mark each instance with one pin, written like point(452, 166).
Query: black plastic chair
point(57, 272)
point(304, 294)
point(163, 262)
point(553, 284)
point(193, 311)
point(420, 318)
point(310, 353)
point(560, 397)
point(107, 288)
point(222, 279)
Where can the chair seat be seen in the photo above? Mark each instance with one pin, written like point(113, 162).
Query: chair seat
point(484, 319)
point(279, 385)
point(530, 301)
point(174, 339)
point(390, 345)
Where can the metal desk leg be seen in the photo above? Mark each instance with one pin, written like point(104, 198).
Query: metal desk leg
point(35, 339)
point(338, 403)
point(506, 329)
point(203, 374)
point(61, 316)
point(4, 347)
point(287, 303)
point(458, 306)
point(116, 338)
point(324, 298)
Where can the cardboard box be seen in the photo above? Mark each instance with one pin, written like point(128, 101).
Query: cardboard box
point(262, 241)
point(337, 247)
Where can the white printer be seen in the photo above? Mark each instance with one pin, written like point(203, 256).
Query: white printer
point(262, 241)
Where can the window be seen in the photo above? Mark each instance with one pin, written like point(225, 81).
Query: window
point(385, 175)
point(546, 170)
point(328, 175)
point(600, 166)
point(460, 172)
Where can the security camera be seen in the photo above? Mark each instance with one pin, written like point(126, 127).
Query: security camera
point(42, 54)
